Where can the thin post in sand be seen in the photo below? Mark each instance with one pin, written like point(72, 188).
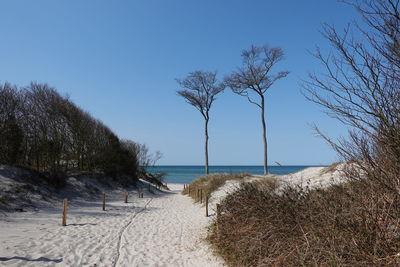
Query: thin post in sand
point(126, 196)
point(206, 206)
point(201, 196)
point(104, 201)
point(189, 190)
point(64, 215)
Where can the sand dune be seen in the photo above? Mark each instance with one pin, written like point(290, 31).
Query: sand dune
point(164, 229)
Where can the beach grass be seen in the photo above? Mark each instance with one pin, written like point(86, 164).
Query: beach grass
point(210, 183)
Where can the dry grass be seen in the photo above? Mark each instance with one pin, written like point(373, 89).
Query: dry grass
point(211, 183)
point(333, 167)
point(349, 224)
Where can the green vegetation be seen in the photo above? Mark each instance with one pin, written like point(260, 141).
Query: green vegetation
point(48, 133)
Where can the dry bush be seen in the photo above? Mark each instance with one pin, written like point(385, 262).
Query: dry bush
point(349, 224)
point(211, 183)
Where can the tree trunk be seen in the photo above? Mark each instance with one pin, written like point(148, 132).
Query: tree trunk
point(264, 135)
point(206, 146)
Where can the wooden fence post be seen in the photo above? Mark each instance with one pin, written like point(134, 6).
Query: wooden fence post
point(189, 190)
point(104, 201)
point(206, 206)
point(64, 216)
point(126, 196)
point(201, 196)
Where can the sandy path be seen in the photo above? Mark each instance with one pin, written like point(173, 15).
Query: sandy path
point(173, 229)
point(165, 229)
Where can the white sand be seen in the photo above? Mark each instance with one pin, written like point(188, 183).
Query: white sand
point(162, 229)
point(314, 177)
point(165, 229)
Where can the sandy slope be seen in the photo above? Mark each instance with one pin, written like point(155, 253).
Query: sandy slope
point(164, 229)
point(312, 177)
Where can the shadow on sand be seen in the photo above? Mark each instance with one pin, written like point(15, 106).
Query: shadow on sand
point(43, 259)
point(81, 224)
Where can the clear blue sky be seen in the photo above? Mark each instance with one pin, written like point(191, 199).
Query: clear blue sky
point(118, 60)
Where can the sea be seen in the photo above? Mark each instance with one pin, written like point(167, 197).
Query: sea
point(186, 174)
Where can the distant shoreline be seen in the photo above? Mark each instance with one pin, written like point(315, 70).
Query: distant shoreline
point(185, 174)
point(295, 165)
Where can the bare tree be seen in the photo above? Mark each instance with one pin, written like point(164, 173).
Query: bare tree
point(361, 88)
point(359, 85)
point(199, 90)
point(255, 78)
point(144, 156)
point(10, 131)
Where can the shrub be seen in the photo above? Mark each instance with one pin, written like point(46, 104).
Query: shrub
point(47, 132)
point(348, 224)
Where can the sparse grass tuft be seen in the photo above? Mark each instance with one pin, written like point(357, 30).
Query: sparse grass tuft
point(331, 168)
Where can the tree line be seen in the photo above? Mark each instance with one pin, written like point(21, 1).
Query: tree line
point(47, 132)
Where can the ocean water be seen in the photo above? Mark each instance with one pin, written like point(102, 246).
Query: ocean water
point(186, 174)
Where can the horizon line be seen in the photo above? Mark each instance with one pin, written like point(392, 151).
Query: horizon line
point(245, 165)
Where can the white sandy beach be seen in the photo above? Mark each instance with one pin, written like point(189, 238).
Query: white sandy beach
point(165, 229)
point(161, 229)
